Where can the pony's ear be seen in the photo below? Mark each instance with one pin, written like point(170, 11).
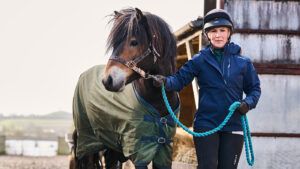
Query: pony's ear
point(117, 14)
point(139, 13)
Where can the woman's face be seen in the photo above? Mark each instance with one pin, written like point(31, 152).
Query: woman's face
point(218, 36)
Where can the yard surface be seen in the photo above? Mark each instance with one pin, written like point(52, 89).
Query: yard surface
point(57, 162)
point(21, 162)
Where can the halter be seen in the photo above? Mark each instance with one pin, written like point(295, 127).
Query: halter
point(132, 64)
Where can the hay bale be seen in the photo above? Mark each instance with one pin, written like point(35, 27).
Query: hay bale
point(183, 147)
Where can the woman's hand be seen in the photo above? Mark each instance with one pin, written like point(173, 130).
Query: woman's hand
point(244, 108)
point(159, 80)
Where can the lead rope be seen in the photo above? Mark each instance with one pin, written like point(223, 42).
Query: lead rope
point(232, 108)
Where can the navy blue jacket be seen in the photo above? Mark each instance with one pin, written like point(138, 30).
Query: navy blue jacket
point(219, 85)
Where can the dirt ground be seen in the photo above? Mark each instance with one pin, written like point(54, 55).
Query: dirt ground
point(19, 162)
point(184, 155)
point(57, 162)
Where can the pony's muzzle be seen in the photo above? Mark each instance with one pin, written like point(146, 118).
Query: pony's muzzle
point(109, 84)
point(114, 81)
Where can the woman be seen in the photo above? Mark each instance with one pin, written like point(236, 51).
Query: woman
point(223, 75)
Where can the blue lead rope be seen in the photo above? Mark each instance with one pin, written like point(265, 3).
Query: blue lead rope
point(232, 108)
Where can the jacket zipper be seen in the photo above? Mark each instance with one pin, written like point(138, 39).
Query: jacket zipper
point(223, 70)
point(228, 68)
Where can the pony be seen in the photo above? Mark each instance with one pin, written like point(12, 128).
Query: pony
point(117, 109)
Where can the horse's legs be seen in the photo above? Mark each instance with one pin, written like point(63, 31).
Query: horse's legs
point(113, 159)
point(97, 161)
point(89, 161)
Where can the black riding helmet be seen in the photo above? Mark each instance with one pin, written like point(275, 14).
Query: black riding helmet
point(216, 18)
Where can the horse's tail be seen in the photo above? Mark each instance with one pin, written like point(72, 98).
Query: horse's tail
point(73, 161)
point(74, 136)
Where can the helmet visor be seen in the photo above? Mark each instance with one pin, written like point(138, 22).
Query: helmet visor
point(219, 22)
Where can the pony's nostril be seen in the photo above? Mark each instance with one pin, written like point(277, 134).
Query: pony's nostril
point(107, 82)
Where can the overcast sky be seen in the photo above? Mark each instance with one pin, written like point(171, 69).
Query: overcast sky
point(46, 44)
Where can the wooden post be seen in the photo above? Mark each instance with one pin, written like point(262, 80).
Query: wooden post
point(200, 41)
point(63, 148)
point(209, 5)
point(2, 144)
point(190, 53)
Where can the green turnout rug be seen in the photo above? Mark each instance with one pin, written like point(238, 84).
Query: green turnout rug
point(122, 121)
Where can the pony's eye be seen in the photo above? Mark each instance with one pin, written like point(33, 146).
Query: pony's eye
point(133, 43)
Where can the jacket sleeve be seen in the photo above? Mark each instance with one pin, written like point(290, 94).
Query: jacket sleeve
point(251, 86)
point(183, 76)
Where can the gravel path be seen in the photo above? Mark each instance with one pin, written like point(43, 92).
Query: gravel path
point(19, 162)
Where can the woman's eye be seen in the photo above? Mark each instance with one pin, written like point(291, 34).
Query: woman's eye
point(133, 43)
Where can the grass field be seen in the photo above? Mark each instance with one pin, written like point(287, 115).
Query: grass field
point(35, 122)
point(35, 127)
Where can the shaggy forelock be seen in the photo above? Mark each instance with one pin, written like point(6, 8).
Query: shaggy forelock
point(127, 25)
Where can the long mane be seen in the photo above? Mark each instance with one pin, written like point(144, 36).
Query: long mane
point(126, 24)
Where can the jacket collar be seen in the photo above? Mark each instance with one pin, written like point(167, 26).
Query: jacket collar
point(229, 49)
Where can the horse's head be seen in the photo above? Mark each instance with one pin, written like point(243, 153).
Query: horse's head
point(141, 44)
